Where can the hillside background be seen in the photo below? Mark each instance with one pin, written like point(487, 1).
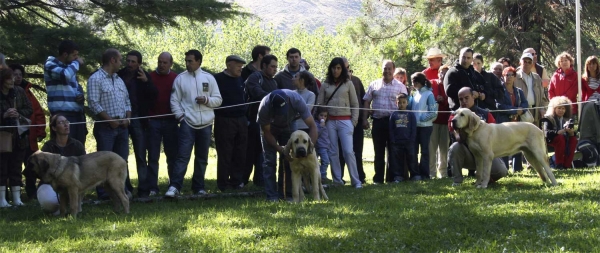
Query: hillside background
point(309, 13)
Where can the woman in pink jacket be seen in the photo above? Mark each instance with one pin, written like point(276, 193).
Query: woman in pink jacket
point(564, 80)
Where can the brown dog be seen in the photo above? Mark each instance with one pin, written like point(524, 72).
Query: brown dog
point(304, 164)
point(72, 176)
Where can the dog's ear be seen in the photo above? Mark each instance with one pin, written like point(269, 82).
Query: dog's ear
point(311, 147)
point(288, 146)
point(473, 123)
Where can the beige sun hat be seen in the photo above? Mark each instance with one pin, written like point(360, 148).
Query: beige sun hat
point(434, 52)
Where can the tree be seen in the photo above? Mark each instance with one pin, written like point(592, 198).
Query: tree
point(31, 30)
point(495, 28)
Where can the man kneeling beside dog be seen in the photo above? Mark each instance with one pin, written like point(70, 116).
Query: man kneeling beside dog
point(64, 167)
point(479, 144)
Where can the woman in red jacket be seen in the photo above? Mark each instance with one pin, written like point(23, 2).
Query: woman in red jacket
point(564, 80)
point(590, 84)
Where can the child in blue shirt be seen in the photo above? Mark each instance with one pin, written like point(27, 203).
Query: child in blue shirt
point(403, 135)
point(322, 145)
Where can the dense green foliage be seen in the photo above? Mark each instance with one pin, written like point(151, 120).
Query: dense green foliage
point(495, 28)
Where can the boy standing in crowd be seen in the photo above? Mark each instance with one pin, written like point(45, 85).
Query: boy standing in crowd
point(403, 136)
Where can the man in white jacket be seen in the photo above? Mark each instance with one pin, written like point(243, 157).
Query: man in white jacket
point(195, 94)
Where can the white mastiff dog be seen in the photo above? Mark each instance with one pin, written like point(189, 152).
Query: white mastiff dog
point(488, 141)
point(304, 164)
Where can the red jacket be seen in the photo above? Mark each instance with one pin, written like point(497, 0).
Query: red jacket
point(37, 118)
point(586, 91)
point(443, 108)
point(431, 74)
point(563, 84)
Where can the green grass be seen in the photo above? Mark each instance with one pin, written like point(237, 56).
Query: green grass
point(518, 213)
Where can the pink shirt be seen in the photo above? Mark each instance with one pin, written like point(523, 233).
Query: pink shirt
point(383, 96)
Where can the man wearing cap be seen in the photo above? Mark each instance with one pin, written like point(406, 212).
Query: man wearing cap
point(231, 125)
point(276, 114)
point(193, 99)
point(539, 69)
point(434, 57)
point(531, 84)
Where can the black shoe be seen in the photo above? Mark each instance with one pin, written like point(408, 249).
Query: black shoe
point(560, 167)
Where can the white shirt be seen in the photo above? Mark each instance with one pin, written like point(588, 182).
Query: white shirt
point(528, 78)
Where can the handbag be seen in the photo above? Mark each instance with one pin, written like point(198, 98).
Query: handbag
point(526, 117)
point(6, 142)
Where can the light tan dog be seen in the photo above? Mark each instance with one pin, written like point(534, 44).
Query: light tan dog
point(488, 141)
point(304, 164)
point(72, 176)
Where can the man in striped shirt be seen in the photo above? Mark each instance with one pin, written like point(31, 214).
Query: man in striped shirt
point(65, 95)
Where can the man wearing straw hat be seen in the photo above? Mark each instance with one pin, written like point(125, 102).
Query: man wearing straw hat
point(440, 139)
point(435, 58)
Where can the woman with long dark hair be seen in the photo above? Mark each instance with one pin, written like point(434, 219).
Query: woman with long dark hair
point(339, 96)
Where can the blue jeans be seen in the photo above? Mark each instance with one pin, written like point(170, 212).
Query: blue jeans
point(423, 138)
point(324, 154)
point(517, 161)
point(189, 136)
point(342, 129)
point(115, 140)
point(138, 136)
point(274, 188)
point(165, 131)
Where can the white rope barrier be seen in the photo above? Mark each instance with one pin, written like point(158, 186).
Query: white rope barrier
point(249, 103)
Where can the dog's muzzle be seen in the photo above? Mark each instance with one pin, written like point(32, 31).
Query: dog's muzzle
point(300, 152)
point(454, 124)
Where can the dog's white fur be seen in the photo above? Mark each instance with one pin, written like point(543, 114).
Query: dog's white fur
point(306, 167)
point(488, 141)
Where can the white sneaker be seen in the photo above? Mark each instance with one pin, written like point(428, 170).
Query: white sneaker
point(172, 192)
point(201, 192)
point(152, 193)
point(358, 186)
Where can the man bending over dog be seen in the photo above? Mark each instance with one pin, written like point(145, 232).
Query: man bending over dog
point(276, 114)
point(459, 155)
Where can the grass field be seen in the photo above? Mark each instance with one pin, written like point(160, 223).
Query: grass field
point(518, 213)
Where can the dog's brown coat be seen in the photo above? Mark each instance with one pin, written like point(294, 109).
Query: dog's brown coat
point(72, 176)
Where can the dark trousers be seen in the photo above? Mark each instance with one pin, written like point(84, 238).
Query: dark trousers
point(231, 139)
point(10, 167)
point(138, 134)
point(423, 138)
point(358, 141)
point(165, 131)
point(381, 141)
point(30, 176)
point(254, 156)
point(115, 140)
point(404, 153)
point(273, 174)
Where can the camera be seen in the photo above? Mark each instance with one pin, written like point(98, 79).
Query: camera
point(571, 124)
